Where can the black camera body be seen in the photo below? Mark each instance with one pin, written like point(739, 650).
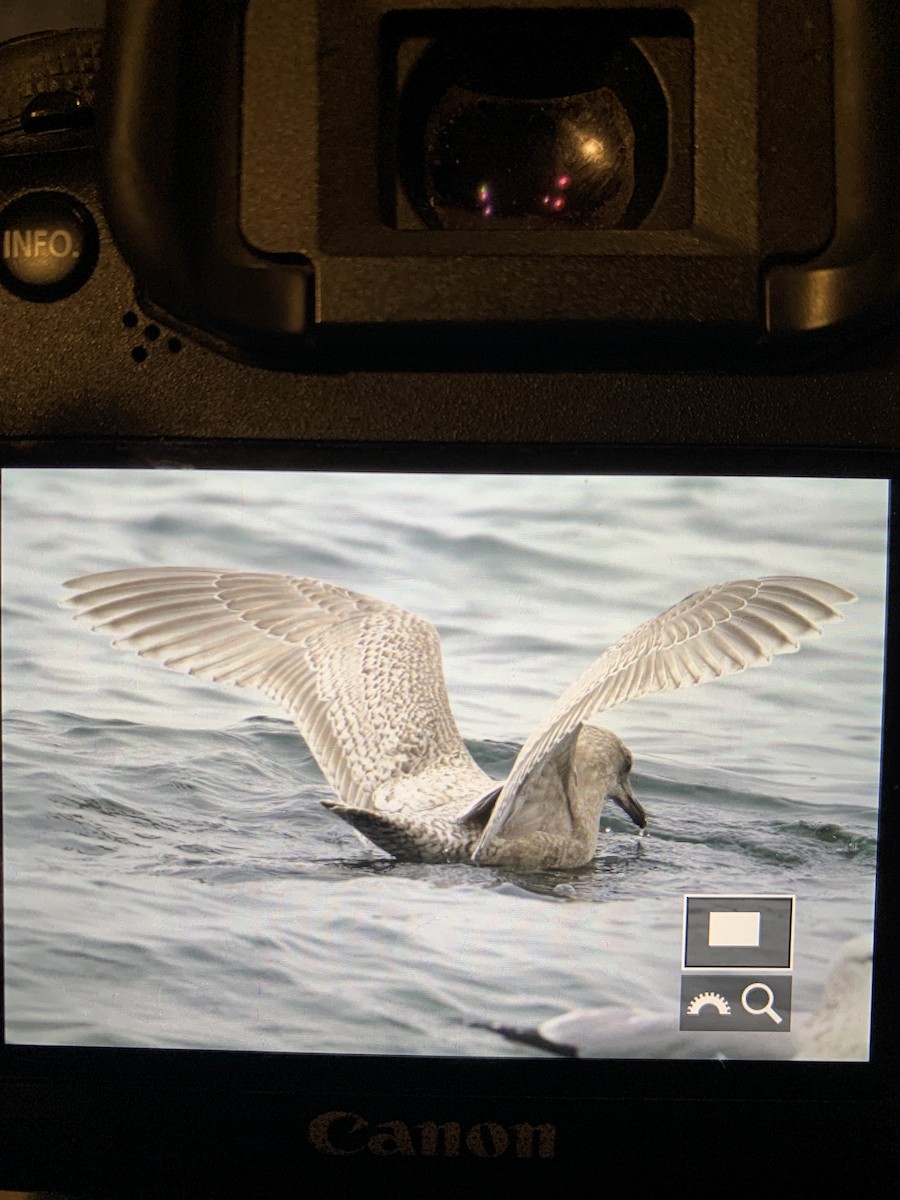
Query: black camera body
point(565, 236)
point(266, 210)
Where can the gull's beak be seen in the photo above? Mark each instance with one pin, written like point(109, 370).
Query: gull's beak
point(626, 800)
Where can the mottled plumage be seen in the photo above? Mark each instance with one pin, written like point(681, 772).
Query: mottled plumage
point(363, 681)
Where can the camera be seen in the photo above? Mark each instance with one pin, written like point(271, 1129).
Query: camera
point(389, 372)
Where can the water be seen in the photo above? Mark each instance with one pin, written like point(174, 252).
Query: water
point(171, 880)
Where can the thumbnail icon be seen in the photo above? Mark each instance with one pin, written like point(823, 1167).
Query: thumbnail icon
point(738, 932)
point(734, 928)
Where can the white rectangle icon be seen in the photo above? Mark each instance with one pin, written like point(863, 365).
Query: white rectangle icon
point(734, 928)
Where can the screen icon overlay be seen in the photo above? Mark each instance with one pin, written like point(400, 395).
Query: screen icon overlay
point(737, 955)
point(741, 1003)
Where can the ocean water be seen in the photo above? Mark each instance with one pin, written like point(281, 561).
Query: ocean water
point(171, 880)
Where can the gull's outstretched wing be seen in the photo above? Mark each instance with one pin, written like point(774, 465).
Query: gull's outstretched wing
point(722, 630)
point(362, 679)
point(618, 1032)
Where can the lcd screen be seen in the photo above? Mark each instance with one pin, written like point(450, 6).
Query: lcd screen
point(185, 868)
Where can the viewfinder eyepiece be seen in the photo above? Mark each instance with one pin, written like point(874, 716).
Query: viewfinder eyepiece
point(529, 163)
point(533, 122)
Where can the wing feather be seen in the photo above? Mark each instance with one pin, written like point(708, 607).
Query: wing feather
point(362, 680)
point(719, 631)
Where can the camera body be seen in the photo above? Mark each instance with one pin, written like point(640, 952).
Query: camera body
point(261, 247)
point(270, 250)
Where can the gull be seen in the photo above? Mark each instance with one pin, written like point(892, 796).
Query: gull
point(838, 1031)
point(363, 681)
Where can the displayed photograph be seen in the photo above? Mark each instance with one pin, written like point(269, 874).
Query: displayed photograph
point(441, 764)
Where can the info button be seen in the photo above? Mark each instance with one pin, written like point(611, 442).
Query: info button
point(49, 246)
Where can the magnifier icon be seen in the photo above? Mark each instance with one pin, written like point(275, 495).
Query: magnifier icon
point(767, 1007)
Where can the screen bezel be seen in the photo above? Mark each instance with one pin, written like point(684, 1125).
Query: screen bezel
point(538, 1085)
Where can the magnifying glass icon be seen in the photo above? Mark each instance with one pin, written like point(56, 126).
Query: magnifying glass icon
point(767, 1007)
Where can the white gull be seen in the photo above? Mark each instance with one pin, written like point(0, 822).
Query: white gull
point(363, 681)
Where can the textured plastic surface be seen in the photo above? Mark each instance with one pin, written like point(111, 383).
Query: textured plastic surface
point(68, 369)
point(171, 130)
point(319, 116)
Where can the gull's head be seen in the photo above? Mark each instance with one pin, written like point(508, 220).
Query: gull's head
point(601, 768)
